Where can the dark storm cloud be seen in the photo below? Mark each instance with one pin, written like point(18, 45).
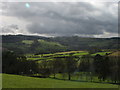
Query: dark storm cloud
point(65, 18)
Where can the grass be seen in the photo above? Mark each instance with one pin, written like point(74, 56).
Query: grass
point(0, 81)
point(81, 76)
point(34, 58)
point(101, 53)
point(16, 81)
point(70, 52)
point(81, 53)
point(61, 54)
point(27, 41)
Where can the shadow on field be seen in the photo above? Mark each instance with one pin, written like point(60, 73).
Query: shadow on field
point(75, 80)
point(85, 81)
point(39, 76)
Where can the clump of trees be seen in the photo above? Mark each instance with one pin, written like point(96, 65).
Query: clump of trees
point(103, 67)
point(57, 66)
point(15, 64)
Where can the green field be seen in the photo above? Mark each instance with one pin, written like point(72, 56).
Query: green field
point(27, 41)
point(16, 81)
point(101, 53)
point(62, 54)
point(50, 56)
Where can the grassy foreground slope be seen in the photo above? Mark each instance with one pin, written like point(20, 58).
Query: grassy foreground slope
point(16, 81)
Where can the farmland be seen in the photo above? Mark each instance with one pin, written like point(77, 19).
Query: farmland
point(63, 54)
point(60, 62)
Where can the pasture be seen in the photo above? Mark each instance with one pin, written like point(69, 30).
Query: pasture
point(62, 54)
point(16, 81)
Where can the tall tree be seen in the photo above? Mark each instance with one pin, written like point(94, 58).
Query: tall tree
point(71, 65)
point(57, 65)
point(85, 65)
point(102, 66)
point(44, 68)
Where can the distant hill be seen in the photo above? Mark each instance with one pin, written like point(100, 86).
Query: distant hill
point(30, 44)
point(76, 43)
point(18, 38)
point(37, 44)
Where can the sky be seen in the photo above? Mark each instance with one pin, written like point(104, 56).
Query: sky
point(85, 19)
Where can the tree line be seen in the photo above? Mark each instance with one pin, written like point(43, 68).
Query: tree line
point(103, 67)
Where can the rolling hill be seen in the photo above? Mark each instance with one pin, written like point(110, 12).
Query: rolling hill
point(37, 44)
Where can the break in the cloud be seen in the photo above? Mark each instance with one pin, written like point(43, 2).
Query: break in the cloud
point(61, 19)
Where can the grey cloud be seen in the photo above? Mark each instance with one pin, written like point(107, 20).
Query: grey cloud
point(10, 28)
point(65, 18)
point(13, 26)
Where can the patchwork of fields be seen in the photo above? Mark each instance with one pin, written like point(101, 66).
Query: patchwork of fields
point(63, 54)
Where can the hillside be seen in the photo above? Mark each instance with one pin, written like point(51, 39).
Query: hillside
point(116, 54)
point(37, 44)
point(76, 43)
point(31, 44)
point(16, 81)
